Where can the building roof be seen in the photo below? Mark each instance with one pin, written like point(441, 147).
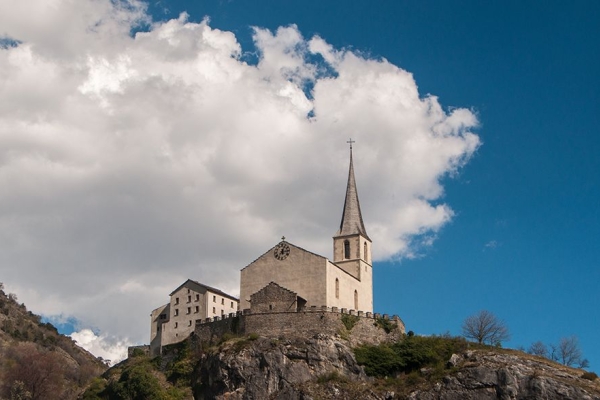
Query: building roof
point(352, 222)
point(197, 285)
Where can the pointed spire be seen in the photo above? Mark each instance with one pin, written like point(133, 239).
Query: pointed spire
point(352, 222)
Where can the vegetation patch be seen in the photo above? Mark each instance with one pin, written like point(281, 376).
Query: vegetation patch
point(332, 376)
point(385, 324)
point(411, 354)
point(136, 379)
point(349, 321)
point(590, 376)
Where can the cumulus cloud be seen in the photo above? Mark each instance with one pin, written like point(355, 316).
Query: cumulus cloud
point(130, 163)
point(110, 349)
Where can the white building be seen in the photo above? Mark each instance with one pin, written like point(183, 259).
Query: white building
point(174, 321)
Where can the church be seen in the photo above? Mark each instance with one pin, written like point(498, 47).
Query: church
point(345, 282)
point(286, 278)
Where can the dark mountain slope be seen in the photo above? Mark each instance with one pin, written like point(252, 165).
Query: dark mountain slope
point(36, 362)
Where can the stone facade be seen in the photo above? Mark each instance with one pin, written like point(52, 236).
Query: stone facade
point(274, 298)
point(176, 320)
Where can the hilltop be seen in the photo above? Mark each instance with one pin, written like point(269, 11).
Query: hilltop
point(36, 362)
point(327, 367)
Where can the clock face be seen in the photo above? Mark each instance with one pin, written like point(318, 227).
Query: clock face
point(281, 251)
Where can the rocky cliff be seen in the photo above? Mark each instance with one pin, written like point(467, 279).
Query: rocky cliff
point(326, 367)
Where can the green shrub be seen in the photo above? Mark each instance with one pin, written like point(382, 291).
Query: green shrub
point(385, 324)
point(411, 354)
point(180, 372)
point(138, 353)
point(95, 389)
point(349, 321)
point(379, 360)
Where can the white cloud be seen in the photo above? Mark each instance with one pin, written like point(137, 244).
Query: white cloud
point(130, 164)
point(109, 348)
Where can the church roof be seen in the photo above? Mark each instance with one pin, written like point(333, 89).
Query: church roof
point(198, 287)
point(352, 222)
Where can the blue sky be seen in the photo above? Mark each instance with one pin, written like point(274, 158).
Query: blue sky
point(523, 242)
point(130, 163)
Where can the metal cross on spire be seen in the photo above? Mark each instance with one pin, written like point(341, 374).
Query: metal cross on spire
point(351, 141)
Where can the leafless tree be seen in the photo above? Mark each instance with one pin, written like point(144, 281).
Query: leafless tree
point(485, 327)
point(568, 353)
point(539, 349)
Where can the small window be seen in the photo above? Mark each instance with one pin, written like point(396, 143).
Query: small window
point(270, 306)
point(188, 290)
point(337, 288)
point(222, 312)
point(197, 310)
point(232, 304)
point(355, 300)
point(214, 299)
point(189, 299)
point(175, 325)
point(365, 250)
point(190, 323)
point(197, 297)
point(189, 310)
point(163, 316)
point(214, 311)
point(176, 300)
point(346, 249)
point(176, 312)
point(223, 301)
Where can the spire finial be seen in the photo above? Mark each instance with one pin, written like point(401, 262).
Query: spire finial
point(351, 141)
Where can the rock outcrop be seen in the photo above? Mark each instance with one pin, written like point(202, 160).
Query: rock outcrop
point(485, 375)
point(324, 367)
point(270, 368)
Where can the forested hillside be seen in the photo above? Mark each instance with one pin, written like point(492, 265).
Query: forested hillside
point(36, 362)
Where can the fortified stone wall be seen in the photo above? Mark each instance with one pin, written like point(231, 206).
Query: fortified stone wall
point(364, 327)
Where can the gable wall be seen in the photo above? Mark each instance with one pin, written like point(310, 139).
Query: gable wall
point(301, 272)
point(273, 298)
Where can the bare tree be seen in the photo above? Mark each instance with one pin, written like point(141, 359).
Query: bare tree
point(568, 353)
point(538, 349)
point(485, 327)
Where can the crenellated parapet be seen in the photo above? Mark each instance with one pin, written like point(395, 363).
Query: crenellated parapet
point(357, 327)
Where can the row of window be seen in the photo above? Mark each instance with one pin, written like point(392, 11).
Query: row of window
point(189, 298)
point(189, 311)
point(197, 298)
point(222, 301)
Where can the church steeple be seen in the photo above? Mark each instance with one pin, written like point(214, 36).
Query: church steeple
point(352, 222)
point(351, 244)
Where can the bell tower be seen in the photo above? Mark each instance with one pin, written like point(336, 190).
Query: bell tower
point(351, 244)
